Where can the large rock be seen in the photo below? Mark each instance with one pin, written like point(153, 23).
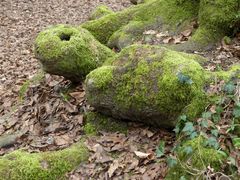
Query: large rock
point(70, 52)
point(150, 84)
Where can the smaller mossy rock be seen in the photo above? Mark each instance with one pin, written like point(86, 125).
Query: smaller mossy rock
point(70, 52)
point(150, 84)
point(191, 164)
point(99, 12)
point(96, 122)
point(45, 166)
point(168, 15)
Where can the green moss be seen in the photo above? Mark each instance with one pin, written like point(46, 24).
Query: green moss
point(96, 122)
point(45, 166)
point(234, 71)
point(99, 12)
point(100, 78)
point(70, 52)
point(147, 86)
point(216, 18)
point(227, 40)
point(194, 164)
point(127, 34)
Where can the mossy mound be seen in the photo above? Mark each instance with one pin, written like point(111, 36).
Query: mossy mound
point(96, 122)
point(70, 52)
point(45, 166)
point(193, 164)
point(149, 84)
point(99, 12)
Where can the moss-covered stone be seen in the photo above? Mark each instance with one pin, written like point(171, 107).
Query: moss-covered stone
point(70, 52)
point(45, 166)
point(166, 15)
point(192, 164)
point(96, 122)
point(148, 83)
point(216, 18)
point(99, 12)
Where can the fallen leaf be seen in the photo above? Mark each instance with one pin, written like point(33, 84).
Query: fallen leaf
point(141, 154)
point(113, 167)
point(187, 32)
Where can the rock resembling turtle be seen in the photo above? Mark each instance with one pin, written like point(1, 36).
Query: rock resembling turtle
point(150, 84)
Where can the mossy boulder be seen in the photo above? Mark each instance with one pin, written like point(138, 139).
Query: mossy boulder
point(70, 52)
point(193, 160)
point(164, 15)
point(150, 84)
point(216, 18)
point(45, 165)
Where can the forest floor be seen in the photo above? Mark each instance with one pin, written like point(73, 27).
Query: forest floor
point(37, 114)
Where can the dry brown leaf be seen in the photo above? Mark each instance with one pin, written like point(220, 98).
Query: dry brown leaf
point(168, 40)
point(187, 32)
point(141, 154)
point(113, 167)
point(62, 140)
point(79, 96)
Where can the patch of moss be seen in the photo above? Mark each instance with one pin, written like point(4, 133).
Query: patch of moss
point(99, 12)
point(193, 165)
point(45, 166)
point(101, 77)
point(96, 122)
point(70, 52)
point(24, 88)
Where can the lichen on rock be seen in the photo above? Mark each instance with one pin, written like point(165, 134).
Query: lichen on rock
point(45, 165)
point(149, 84)
point(70, 52)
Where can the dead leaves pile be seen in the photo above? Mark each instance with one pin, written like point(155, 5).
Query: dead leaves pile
point(155, 37)
point(225, 55)
point(48, 119)
point(120, 156)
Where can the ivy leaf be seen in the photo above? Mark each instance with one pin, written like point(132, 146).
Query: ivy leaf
point(188, 128)
point(183, 118)
point(171, 161)
point(204, 123)
point(236, 142)
point(182, 178)
point(188, 150)
point(160, 149)
point(236, 111)
point(216, 118)
point(214, 132)
point(176, 129)
point(193, 135)
point(184, 79)
point(229, 87)
point(212, 142)
point(206, 115)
